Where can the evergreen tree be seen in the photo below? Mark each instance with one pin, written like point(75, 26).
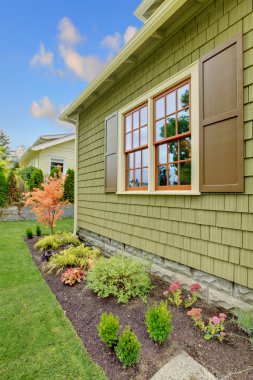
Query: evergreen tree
point(13, 194)
point(69, 186)
point(55, 172)
point(37, 179)
point(4, 143)
point(3, 189)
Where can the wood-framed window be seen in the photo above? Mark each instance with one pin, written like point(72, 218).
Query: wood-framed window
point(136, 148)
point(172, 138)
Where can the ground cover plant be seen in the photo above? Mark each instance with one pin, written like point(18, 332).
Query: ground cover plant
point(79, 256)
point(57, 240)
point(72, 275)
point(38, 340)
point(158, 322)
point(121, 277)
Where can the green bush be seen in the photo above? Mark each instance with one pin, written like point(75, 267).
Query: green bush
point(120, 277)
point(55, 172)
point(55, 241)
point(82, 257)
point(69, 186)
point(158, 322)
point(245, 321)
point(128, 348)
point(3, 189)
point(13, 193)
point(29, 233)
point(108, 328)
point(38, 231)
point(36, 179)
point(26, 173)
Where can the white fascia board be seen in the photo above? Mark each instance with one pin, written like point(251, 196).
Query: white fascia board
point(163, 14)
point(52, 143)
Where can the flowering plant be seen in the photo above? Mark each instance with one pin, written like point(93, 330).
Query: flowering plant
point(215, 326)
point(72, 275)
point(174, 293)
point(193, 296)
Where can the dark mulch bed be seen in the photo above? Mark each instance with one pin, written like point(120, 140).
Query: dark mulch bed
point(83, 308)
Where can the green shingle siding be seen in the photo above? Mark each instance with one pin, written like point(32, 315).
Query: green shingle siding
point(211, 232)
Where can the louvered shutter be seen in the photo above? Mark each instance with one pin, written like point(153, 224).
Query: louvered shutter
point(111, 142)
point(221, 119)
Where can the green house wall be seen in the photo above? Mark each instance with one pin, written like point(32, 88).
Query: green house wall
point(210, 232)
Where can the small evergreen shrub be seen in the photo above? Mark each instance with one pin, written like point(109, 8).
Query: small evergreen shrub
point(36, 179)
point(245, 321)
point(128, 348)
point(158, 322)
point(13, 194)
point(3, 189)
point(72, 275)
point(108, 328)
point(55, 172)
point(80, 256)
point(29, 233)
point(38, 231)
point(57, 240)
point(69, 186)
point(121, 277)
point(26, 173)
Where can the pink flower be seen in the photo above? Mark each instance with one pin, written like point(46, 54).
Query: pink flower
point(195, 313)
point(222, 317)
point(215, 320)
point(165, 293)
point(174, 286)
point(195, 287)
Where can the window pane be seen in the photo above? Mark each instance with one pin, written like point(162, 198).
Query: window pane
point(135, 119)
point(160, 108)
point(137, 159)
point(137, 182)
point(162, 175)
point(185, 173)
point(183, 96)
point(171, 103)
point(183, 121)
point(130, 178)
point(144, 157)
point(128, 123)
point(162, 154)
point(173, 174)
point(136, 138)
point(173, 151)
point(159, 130)
point(145, 177)
point(130, 160)
point(171, 126)
point(144, 136)
point(144, 115)
point(185, 148)
point(128, 141)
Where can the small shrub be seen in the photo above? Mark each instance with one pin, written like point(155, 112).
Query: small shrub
point(128, 348)
point(38, 231)
point(108, 328)
point(121, 277)
point(25, 174)
point(72, 257)
point(3, 189)
point(158, 322)
point(57, 240)
point(36, 179)
point(72, 275)
point(29, 233)
point(69, 186)
point(245, 321)
point(55, 172)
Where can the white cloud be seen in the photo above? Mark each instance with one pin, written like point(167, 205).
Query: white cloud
point(84, 67)
point(68, 33)
point(112, 42)
point(43, 57)
point(129, 33)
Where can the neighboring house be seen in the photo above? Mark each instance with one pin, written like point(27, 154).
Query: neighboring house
point(49, 151)
point(165, 146)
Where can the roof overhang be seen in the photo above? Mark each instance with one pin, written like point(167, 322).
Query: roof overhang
point(147, 8)
point(164, 22)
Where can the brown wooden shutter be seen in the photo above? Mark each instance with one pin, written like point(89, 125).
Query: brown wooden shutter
point(111, 142)
point(221, 119)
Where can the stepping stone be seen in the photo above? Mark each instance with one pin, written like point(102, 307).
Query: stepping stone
point(183, 367)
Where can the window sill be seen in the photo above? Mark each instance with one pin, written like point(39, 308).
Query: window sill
point(159, 192)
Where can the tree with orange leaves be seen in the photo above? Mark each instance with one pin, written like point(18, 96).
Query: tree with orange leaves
point(46, 202)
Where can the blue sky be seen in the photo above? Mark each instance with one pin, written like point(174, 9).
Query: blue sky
point(49, 52)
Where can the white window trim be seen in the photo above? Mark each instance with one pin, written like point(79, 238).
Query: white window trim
point(193, 72)
point(51, 158)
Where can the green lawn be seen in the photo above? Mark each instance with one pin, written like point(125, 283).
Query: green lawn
point(36, 340)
